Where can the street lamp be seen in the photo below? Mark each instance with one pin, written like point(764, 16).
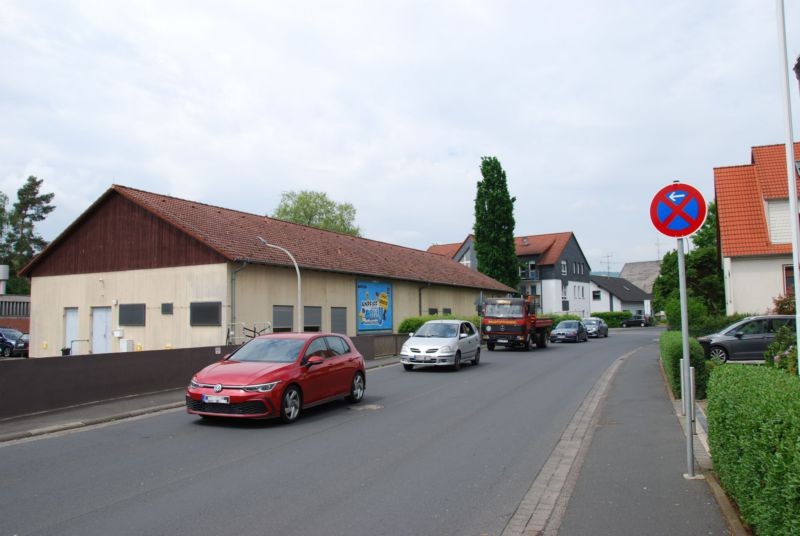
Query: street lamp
point(296, 269)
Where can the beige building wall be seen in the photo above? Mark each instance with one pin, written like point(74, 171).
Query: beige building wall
point(179, 286)
point(260, 288)
point(751, 283)
point(247, 293)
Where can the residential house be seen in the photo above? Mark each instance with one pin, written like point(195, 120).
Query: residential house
point(642, 274)
point(755, 229)
point(618, 294)
point(552, 268)
point(140, 270)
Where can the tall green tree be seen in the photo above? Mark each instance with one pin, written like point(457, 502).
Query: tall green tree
point(704, 278)
point(22, 242)
point(316, 209)
point(494, 225)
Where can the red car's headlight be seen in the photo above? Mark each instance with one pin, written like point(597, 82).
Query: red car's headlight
point(261, 387)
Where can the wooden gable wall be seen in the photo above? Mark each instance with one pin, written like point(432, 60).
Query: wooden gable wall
point(120, 235)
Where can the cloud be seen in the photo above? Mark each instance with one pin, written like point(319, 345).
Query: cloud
point(391, 106)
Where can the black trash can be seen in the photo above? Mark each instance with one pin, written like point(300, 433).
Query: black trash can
point(66, 351)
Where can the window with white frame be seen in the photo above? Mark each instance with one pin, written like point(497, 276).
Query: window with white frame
point(563, 267)
point(563, 290)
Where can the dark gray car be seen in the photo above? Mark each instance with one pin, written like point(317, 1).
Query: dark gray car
point(596, 327)
point(745, 340)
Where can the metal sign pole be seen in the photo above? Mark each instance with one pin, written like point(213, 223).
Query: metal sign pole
point(686, 389)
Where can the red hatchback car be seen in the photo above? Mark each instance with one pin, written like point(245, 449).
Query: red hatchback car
point(277, 375)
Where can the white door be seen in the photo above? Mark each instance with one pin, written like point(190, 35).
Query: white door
point(101, 330)
point(71, 329)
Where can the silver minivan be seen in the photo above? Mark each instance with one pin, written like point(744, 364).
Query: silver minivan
point(442, 343)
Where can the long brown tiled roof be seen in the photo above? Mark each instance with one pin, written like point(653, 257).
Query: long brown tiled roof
point(234, 235)
point(740, 194)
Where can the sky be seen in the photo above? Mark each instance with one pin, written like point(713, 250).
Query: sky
point(590, 107)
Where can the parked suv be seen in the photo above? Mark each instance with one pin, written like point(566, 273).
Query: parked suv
point(636, 320)
point(8, 340)
point(746, 339)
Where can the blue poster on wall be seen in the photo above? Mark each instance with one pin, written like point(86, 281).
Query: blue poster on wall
point(374, 306)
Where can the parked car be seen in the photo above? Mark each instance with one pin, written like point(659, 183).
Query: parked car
point(8, 340)
point(745, 340)
point(637, 320)
point(277, 376)
point(595, 327)
point(569, 330)
point(21, 346)
point(440, 343)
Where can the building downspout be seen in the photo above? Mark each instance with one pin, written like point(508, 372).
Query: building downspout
point(233, 291)
point(420, 296)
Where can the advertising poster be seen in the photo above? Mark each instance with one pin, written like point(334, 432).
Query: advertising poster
point(374, 306)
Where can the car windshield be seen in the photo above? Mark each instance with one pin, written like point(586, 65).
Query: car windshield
point(270, 350)
point(12, 334)
point(590, 322)
point(503, 310)
point(438, 330)
point(567, 324)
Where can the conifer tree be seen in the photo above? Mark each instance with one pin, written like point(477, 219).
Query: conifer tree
point(494, 225)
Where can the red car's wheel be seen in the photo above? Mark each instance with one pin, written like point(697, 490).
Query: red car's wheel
point(291, 404)
point(357, 388)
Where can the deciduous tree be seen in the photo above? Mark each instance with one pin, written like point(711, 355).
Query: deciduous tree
point(316, 209)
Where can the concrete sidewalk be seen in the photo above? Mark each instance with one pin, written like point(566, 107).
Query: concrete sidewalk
point(631, 480)
point(108, 410)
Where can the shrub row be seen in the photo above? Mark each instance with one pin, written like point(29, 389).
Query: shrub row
point(413, 323)
point(671, 344)
point(614, 318)
point(754, 435)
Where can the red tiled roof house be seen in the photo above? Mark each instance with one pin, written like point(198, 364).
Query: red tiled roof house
point(553, 269)
point(143, 270)
point(755, 229)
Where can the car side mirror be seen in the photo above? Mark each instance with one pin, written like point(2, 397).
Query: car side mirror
point(739, 334)
point(411, 334)
point(314, 360)
point(462, 335)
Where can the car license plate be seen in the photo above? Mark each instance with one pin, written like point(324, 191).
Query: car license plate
point(216, 399)
point(502, 340)
point(561, 335)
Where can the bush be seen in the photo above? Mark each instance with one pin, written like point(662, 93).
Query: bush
point(671, 345)
point(782, 352)
point(695, 307)
point(559, 318)
point(614, 318)
point(754, 435)
point(413, 323)
point(712, 324)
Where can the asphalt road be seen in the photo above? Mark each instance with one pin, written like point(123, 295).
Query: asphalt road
point(427, 452)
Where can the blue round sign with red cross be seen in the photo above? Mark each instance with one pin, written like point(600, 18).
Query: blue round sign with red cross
point(678, 210)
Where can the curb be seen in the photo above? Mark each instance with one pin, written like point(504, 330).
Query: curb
point(704, 460)
point(87, 422)
point(371, 364)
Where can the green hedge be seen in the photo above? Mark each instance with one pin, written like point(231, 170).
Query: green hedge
point(671, 345)
point(413, 323)
point(754, 435)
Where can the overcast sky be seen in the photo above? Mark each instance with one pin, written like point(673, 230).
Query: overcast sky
point(591, 107)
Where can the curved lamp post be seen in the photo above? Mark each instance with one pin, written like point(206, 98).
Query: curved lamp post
point(296, 269)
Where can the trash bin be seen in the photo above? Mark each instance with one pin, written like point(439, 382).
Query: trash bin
point(65, 351)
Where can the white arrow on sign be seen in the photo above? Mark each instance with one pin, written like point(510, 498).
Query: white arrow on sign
point(674, 196)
